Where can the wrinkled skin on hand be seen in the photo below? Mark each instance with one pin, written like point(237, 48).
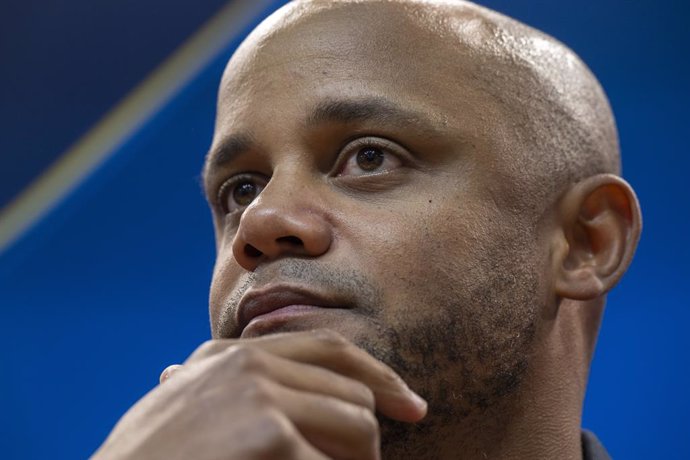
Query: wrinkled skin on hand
point(306, 395)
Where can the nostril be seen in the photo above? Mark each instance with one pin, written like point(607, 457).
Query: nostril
point(291, 240)
point(251, 251)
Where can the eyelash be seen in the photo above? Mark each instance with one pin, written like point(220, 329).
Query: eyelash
point(350, 148)
point(353, 147)
point(229, 185)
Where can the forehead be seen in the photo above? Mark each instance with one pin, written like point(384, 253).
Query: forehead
point(404, 55)
point(381, 49)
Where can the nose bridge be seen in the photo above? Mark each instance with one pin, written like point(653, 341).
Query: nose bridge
point(287, 182)
point(288, 218)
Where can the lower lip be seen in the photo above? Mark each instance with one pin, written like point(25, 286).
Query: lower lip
point(270, 321)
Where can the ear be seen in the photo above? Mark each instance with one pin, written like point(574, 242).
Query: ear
point(600, 224)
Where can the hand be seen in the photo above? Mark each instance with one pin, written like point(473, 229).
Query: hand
point(306, 395)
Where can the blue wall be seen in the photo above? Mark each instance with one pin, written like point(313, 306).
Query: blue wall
point(112, 285)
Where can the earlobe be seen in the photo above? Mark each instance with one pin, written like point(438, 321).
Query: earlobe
point(600, 224)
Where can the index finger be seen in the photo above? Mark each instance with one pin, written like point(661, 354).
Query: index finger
point(330, 350)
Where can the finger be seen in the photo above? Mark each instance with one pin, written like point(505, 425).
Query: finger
point(169, 371)
point(298, 376)
point(331, 351)
point(270, 434)
point(335, 427)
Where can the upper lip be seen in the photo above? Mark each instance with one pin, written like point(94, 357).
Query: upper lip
point(258, 302)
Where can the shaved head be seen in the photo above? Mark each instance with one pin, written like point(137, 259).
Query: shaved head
point(562, 127)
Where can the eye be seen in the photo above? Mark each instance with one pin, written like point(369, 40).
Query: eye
point(369, 156)
point(240, 191)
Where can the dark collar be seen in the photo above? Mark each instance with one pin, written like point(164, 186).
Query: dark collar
point(592, 449)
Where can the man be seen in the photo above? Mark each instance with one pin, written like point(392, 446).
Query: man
point(410, 198)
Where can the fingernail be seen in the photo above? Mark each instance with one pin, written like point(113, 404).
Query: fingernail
point(168, 371)
point(418, 400)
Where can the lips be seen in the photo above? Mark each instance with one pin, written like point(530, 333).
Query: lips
point(266, 300)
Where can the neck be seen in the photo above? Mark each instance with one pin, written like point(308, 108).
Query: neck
point(549, 415)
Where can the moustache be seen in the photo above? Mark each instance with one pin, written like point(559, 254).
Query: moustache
point(357, 289)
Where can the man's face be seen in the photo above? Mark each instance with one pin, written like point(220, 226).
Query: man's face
point(386, 180)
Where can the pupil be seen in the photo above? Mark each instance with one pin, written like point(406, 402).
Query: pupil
point(244, 194)
point(369, 158)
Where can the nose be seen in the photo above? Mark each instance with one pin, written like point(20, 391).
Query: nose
point(281, 223)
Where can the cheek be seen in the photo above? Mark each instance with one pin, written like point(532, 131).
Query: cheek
point(414, 252)
point(461, 253)
point(226, 275)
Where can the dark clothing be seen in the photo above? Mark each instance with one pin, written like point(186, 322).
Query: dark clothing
point(592, 448)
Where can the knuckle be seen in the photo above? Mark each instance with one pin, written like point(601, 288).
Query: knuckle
point(390, 377)
point(367, 396)
point(331, 338)
point(370, 426)
point(202, 351)
point(371, 436)
point(207, 347)
point(256, 390)
point(277, 431)
point(368, 432)
point(243, 358)
point(205, 350)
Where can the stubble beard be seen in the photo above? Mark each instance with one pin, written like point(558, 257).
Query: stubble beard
point(468, 363)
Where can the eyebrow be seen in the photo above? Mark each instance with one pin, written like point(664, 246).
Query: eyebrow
point(359, 110)
point(328, 111)
point(229, 149)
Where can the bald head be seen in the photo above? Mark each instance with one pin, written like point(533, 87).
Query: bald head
point(556, 125)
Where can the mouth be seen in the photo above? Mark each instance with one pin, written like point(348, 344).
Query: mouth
point(278, 304)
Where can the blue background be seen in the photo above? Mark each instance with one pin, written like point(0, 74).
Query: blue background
point(111, 286)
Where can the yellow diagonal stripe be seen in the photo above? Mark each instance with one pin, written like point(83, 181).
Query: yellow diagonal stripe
point(121, 122)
